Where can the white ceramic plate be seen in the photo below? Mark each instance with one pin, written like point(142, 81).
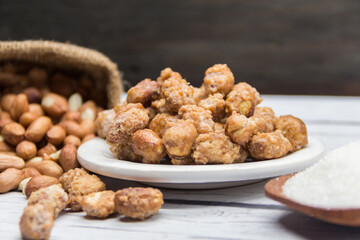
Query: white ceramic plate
point(95, 156)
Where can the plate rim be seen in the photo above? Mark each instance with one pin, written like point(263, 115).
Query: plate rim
point(149, 173)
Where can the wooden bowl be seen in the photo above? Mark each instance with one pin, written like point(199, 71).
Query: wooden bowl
point(347, 217)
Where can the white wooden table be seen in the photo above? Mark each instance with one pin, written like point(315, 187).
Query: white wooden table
point(232, 213)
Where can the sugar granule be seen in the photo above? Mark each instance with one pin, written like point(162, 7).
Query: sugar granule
point(333, 182)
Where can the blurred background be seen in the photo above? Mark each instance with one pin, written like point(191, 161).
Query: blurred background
point(278, 46)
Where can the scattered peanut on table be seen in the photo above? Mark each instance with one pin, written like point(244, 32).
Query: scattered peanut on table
point(43, 120)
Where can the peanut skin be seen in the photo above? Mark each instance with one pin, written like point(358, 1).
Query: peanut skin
point(10, 179)
point(37, 129)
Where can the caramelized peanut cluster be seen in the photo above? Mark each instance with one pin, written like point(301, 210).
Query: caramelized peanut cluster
point(218, 123)
point(79, 190)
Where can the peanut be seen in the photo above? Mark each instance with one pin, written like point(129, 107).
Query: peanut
point(13, 133)
point(88, 126)
point(23, 183)
point(31, 172)
point(47, 150)
point(27, 118)
point(47, 167)
point(38, 76)
point(33, 95)
point(6, 101)
point(88, 137)
point(72, 116)
point(35, 183)
point(10, 179)
point(5, 118)
point(54, 156)
point(56, 135)
point(71, 139)
point(75, 102)
point(88, 110)
point(37, 129)
point(68, 157)
point(54, 105)
point(35, 159)
point(9, 161)
point(4, 147)
point(26, 150)
point(36, 108)
point(73, 128)
point(19, 106)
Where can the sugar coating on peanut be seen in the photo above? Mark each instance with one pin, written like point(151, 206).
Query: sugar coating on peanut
point(99, 204)
point(219, 122)
point(53, 196)
point(138, 203)
point(269, 145)
point(218, 79)
point(78, 183)
point(36, 222)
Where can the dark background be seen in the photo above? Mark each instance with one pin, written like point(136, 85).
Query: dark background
point(278, 46)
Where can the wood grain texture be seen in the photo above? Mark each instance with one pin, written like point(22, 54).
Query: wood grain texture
point(231, 213)
point(280, 47)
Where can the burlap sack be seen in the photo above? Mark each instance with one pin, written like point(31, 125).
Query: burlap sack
point(68, 57)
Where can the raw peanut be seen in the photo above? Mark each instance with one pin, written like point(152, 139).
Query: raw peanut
point(62, 84)
point(10, 179)
point(35, 183)
point(33, 95)
point(13, 133)
point(4, 119)
point(47, 150)
point(4, 115)
point(54, 156)
point(68, 157)
point(27, 118)
point(48, 168)
point(38, 76)
point(54, 105)
point(88, 110)
point(72, 116)
point(71, 139)
point(21, 82)
point(22, 67)
point(37, 129)
point(75, 102)
point(4, 147)
point(22, 184)
point(88, 137)
point(9, 68)
point(31, 172)
point(9, 161)
point(6, 101)
point(88, 126)
point(19, 106)
point(26, 150)
point(36, 108)
point(72, 128)
point(7, 79)
point(31, 161)
point(56, 135)
point(11, 153)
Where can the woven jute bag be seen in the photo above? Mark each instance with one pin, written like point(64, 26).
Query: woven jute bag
point(67, 56)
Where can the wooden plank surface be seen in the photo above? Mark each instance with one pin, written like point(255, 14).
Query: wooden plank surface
point(279, 46)
point(231, 213)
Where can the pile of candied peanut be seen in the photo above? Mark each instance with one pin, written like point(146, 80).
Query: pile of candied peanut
point(40, 133)
point(218, 123)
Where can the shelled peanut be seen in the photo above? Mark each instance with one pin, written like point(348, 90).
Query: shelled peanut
point(42, 131)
